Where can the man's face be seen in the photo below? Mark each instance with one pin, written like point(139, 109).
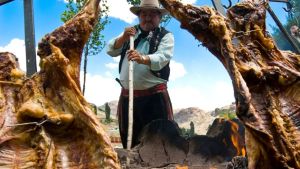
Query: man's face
point(149, 19)
point(294, 30)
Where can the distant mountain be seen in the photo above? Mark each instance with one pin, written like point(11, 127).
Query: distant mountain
point(200, 118)
point(185, 116)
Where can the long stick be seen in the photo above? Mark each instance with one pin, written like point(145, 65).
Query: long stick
point(130, 106)
point(285, 33)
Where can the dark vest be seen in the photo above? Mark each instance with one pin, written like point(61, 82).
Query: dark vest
point(158, 34)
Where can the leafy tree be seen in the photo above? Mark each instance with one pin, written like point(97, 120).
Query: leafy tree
point(107, 112)
point(164, 21)
point(225, 113)
point(187, 133)
point(96, 42)
point(292, 19)
point(192, 132)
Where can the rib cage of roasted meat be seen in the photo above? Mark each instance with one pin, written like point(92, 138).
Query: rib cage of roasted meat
point(45, 120)
point(266, 81)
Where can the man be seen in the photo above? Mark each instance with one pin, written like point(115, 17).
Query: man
point(152, 54)
point(295, 32)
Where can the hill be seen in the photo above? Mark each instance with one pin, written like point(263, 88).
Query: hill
point(183, 117)
point(200, 118)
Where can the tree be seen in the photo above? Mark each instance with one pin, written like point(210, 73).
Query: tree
point(107, 112)
point(192, 132)
point(164, 21)
point(292, 19)
point(96, 41)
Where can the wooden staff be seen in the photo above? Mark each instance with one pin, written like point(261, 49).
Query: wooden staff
point(130, 106)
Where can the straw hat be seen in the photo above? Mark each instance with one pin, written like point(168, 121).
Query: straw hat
point(148, 4)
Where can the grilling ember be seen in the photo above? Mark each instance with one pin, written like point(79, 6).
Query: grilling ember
point(161, 145)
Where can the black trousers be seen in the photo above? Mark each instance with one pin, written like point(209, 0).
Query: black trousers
point(145, 109)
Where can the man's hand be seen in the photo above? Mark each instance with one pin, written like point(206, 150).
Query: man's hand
point(139, 58)
point(129, 31)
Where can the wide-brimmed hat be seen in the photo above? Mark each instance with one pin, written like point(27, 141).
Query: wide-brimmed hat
point(148, 4)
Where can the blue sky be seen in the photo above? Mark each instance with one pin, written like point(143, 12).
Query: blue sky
point(197, 79)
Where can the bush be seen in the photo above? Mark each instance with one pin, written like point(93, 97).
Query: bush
point(227, 114)
point(187, 133)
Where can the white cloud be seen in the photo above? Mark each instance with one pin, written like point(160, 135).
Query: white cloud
point(109, 74)
point(112, 66)
point(116, 59)
point(100, 89)
point(221, 93)
point(17, 47)
point(187, 96)
point(120, 9)
point(188, 1)
point(177, 70)
point(65, 1)
point(217, 95)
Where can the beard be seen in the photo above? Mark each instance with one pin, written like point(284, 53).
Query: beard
point(148, 26)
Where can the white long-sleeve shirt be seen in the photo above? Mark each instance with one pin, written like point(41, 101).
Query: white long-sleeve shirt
point(143, 78)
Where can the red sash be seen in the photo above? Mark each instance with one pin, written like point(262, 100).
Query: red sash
point(147, 92)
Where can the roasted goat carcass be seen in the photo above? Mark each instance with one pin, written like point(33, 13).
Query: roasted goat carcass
point(45, 120)
point(266, 81)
